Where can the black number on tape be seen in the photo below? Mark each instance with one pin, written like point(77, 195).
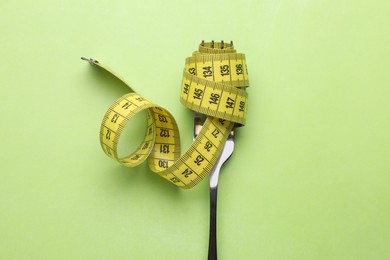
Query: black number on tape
point(225, 70)
point(114, 118)
point(145, 146)
point(198, 93)
point(207, 146)
point(199, 159)
point(108, 134)
point(164, 132)
point(186, 88)
point(163, 163)
point(175, 180)
point(239, 69)
point(222, 121)
point(242, 106)
point(215, 133)
point(126, 105)
point(229, 102)
point(164, 148)
point(214, 98)
point(207, 72)
point(135, 157)
point(162, 119)
point(187, 172)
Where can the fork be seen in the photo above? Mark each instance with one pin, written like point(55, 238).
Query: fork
point(227, 151)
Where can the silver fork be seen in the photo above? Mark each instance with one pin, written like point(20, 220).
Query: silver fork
point(227, 151)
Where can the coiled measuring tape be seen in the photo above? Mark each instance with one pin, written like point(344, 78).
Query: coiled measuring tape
point(214, 81)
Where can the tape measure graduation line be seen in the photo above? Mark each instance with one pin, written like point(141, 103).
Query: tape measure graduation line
point(214, 81)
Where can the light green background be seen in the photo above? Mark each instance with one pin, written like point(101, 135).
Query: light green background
point(310, 175)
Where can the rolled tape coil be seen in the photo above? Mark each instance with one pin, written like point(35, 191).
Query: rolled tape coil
point(214, 83)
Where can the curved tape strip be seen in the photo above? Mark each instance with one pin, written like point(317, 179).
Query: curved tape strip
point(214, 83)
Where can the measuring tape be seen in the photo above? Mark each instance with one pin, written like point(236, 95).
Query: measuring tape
point(214, 81)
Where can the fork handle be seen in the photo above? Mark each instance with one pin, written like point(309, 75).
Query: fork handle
point(213, 224)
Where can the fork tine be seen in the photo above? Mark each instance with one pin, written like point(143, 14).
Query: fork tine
point(198, 124)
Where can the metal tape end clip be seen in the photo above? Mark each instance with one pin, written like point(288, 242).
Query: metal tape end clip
point(90, 60)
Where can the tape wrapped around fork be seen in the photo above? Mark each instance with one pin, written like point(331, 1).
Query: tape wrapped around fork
point(214, 83)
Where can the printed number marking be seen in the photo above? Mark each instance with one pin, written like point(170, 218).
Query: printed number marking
point(162, 119)
point(186, 88)
point(164, 148)
point(135, 157)
point(198, 93)
point(207, 72)
point(108, 134)
point(187, 172)
point(126, 105)
point(207, 146)
point(114, 118)
point(163, 164)
point(164, 132)
point(174, 180)
point(214, 98)
point(225, 70)
point(215, 133)
point(242, 106)
point(239, 69)
point(192, 71)
point(199, 159)
point(145, 146)
point(230, 102)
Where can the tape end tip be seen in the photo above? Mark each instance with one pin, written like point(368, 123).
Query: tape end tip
point(90, 60)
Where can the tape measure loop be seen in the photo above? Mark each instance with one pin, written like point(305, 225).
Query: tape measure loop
point(214, 99)
point(214, 83)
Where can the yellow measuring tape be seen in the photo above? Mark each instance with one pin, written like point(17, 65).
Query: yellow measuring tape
point(214, 81)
